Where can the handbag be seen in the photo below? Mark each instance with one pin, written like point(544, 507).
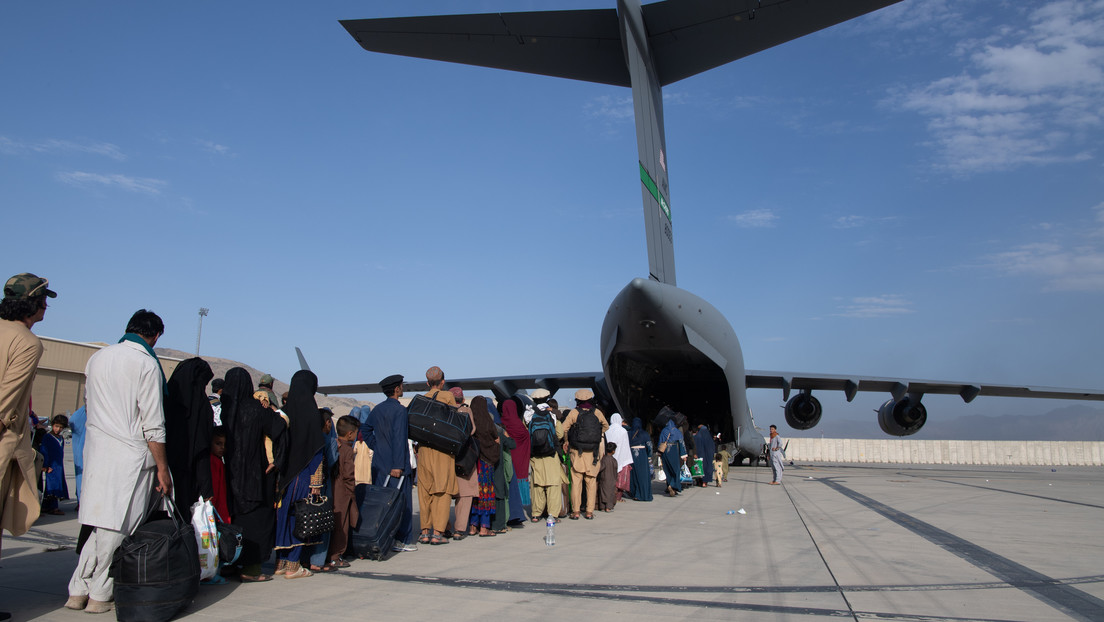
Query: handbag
point(663, 447)
point(314, 516)
point(229, 540)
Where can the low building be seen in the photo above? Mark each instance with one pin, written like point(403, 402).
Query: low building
point(59, 384)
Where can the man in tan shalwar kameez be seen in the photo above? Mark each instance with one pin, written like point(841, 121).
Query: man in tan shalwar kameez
point(546, 472)
point(436, 473)
point(23, 306)
point(584, 467)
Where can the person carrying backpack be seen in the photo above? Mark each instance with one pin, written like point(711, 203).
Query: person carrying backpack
point(545, 474)
point(585, 429)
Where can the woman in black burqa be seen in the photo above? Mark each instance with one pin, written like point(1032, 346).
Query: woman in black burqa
point(252, 488)
point(303, 474)
point(189, 424)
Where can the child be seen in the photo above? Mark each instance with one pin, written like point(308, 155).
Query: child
point(218, 473)
point(718, 464)
point(346, 512)
point(607, 480)
point(53, 466)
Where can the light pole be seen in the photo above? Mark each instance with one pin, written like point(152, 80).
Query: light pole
point(199, 333)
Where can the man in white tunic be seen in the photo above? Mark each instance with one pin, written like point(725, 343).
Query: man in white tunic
point(124, 454)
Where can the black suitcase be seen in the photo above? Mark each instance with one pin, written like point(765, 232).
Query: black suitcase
point(438, 425)
point(156, 570)
point(380, 512)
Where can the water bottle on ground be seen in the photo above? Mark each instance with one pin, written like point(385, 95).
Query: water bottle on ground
point(550, 537)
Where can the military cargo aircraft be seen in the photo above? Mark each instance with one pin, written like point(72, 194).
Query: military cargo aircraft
point(662, 345)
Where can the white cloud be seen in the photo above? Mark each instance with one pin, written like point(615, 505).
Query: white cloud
point(54, 145)
point(213, 147)
point(756, 218)
point(143, 185)
point(855, 221)
point(1026, 95)
point(610, 108)
point(1065, 261)
point(885, 305)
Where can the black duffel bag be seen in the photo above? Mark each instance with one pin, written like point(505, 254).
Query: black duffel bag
point(156, 569)
point(468, 457)
point(438, 425)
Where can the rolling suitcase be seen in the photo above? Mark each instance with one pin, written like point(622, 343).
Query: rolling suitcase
point(438, 425)
point(380, 513)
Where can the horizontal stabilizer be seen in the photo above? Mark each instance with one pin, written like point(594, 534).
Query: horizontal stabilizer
point(581, 45)
point(686, 37)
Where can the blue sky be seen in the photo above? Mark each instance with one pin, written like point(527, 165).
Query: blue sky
point(918, 193)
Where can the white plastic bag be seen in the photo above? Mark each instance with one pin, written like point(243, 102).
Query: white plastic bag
point(203, 521)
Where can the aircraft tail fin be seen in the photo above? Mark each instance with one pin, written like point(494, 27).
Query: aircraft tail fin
point(302, 359)
point(644, 47)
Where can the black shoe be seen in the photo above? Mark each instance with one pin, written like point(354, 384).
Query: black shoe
point(4, 615)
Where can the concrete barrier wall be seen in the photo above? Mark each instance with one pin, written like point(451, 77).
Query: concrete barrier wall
point(906, 451)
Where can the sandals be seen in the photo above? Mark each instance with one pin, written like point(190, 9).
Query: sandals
point(326, 568)
point(503, 530)
point(589, 516)
point(574, 516)
point(339, 563)
point(261, 578)
point(423, 539)
point(438, 539)
point(534, 520)
point(488, 535)
point(299, 574)
point(459, 535)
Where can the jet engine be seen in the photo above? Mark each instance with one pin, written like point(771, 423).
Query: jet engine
point(803, 411)
point(902, 417)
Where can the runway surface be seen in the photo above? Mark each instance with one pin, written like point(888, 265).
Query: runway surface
point(871, 542)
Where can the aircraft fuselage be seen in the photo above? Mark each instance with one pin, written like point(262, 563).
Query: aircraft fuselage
point(663, 346)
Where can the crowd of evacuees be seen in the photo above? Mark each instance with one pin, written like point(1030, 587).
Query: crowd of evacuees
point(191, 438)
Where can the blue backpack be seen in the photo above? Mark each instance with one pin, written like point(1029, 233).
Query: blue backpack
point(542, 434)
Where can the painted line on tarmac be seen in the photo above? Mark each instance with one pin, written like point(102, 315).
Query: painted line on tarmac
point(603, 592)
point(1011, 492)
point(839, 589)
point(1069, 600)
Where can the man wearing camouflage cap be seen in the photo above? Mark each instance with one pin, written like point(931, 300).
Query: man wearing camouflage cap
point(266, 385)
point(23, 306)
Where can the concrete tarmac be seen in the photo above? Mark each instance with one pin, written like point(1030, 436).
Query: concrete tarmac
point(871, 542)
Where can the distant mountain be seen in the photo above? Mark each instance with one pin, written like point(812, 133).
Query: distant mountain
point(339, 405)
point(1077, 422)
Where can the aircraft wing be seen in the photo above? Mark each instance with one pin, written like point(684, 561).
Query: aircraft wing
point(504, 386)
point(900, 387)
point(501, 386)
point(686, 36)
